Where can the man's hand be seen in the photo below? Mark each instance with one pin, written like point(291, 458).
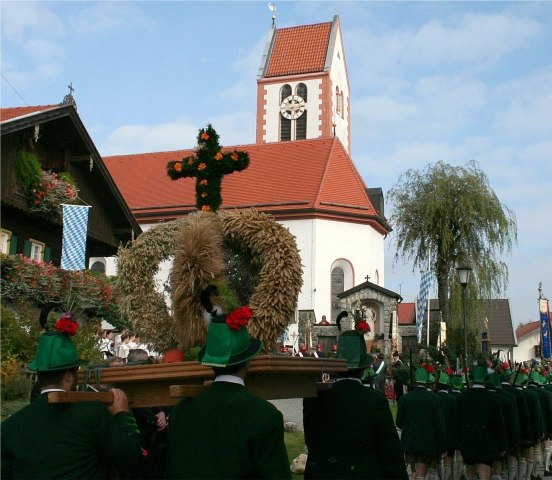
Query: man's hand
point(120, 402)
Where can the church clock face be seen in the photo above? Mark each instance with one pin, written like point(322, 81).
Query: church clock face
point(292, 107)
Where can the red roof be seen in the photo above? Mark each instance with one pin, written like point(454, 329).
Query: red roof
point(290, 56)
point(15, 112)
point(406, 313)
point(291, 178)
point(527, 329)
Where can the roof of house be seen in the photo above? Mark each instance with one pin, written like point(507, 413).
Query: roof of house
point(288, 55)
point(527, 329)
point(64, 122)
point(371, 286)
point(17, 112)
point(298, 179)
point(406, 313)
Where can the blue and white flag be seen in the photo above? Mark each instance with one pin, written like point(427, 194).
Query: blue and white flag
point(545, 328)
point(425, 283)
point(75, 227)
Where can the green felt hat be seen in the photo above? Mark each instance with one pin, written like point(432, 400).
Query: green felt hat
point(479, 374)
point(507, 372)
point(536, 377)
point(521, 378)
point(352, 347)
point(423, 376)
point(56, 351)
point(227, 346)
point(494, 380)
point(457, 381)
point(444, 378)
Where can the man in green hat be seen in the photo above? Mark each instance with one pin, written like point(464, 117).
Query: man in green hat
point(80, 440)
point(420, 417)
point(349, 429)
point(226, 431)
point(480, 424)
point(448, 405)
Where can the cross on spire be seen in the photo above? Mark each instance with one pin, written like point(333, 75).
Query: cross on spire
point(208, 166)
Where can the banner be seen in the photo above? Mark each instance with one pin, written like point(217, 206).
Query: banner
point(75, 227)
point(425, 283)
point(546, 350)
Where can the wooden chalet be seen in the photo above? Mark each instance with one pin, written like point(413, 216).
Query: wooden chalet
point(56, 134)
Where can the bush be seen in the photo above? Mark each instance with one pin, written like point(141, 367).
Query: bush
point(14, 384)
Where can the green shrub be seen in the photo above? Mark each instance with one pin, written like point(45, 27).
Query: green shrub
point(28, 169)
point(14, 384)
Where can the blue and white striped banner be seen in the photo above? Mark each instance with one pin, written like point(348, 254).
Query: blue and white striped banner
point(425, 283)
point(75, 227)
point(545, 328)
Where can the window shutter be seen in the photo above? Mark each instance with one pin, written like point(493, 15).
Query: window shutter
point(27, 248)
point(13, 245)
point(46, 254)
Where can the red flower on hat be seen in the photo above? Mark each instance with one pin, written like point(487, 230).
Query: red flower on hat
point(238, 318)
point(362, 326)
point(428, 367)
point(450, 371)
point(65, 324)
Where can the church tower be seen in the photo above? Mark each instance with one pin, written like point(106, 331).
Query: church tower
point(302, 85)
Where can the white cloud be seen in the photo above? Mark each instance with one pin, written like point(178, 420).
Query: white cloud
point(108, 18)
point(148, 138)
point(21, 20)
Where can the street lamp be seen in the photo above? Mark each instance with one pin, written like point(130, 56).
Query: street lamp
point(464, 274)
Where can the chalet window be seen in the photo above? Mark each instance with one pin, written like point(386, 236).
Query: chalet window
point(409, 342)
point(6, 241)
point(37, 250)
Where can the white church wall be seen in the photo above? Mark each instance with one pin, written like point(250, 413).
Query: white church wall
point(272, 104)
point(338, 78)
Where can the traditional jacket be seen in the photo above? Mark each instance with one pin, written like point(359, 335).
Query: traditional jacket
point(545, 399)
point(480, 424)
point(511, 421)
point(525, 428)
point(448, 404)
point(227, 432)
point(349, 432)
point(535, 414)
point(70, 441)
point(420, 417)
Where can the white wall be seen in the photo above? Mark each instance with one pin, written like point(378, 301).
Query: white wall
point(338, 78)
point(526, 346)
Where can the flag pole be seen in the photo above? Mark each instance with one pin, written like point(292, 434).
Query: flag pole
point(428, 296)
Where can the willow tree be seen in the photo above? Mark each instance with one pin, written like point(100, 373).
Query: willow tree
point(446, 216)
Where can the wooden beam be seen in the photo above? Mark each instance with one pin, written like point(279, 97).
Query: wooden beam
point(72, 397)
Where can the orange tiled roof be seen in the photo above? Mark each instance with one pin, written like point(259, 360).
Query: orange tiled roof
point(15, 112)
point(406, 313)
point(291, 178)
point(526, 329)
point(299, 50)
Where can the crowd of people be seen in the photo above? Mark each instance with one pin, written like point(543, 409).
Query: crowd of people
point(496, 423)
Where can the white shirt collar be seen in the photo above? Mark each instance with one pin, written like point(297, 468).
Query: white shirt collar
point(47, 390)
point(230, 379)
point(350, 378)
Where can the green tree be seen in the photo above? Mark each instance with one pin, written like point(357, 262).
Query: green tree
point(446, 216)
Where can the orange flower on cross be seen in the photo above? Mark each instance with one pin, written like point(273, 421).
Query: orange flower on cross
point(234, 156)
point(204, 136)
point(178, 167)
point(203, 182)
point(218, 156)
point(201, 166)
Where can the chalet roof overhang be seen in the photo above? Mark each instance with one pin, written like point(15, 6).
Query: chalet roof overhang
point(62, 124)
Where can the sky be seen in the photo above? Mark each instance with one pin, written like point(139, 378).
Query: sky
point(451, 81)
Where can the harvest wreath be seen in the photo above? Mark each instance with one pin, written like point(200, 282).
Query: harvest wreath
point(199, 244)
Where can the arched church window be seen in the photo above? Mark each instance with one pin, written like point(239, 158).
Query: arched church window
point(338, 105)
point(302, 91)
point(285, 92)
point(338, 286)
point(301, 127)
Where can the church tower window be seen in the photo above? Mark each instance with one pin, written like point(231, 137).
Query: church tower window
point(338, 281)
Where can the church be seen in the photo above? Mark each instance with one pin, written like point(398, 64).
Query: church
point(300, 173)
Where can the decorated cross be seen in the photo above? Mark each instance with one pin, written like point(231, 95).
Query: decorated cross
point(208, 166)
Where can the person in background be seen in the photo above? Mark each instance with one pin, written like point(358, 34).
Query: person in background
point(349, 429)
point(398, 384)
point(81, 440)
point(226, 431)
point(420, 418)
point(379, 373)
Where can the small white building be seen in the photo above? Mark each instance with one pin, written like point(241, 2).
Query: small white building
point(528, 342)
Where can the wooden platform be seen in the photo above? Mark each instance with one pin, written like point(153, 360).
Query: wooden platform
point(270, 376)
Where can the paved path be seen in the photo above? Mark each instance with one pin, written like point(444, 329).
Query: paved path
point(292, 410)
